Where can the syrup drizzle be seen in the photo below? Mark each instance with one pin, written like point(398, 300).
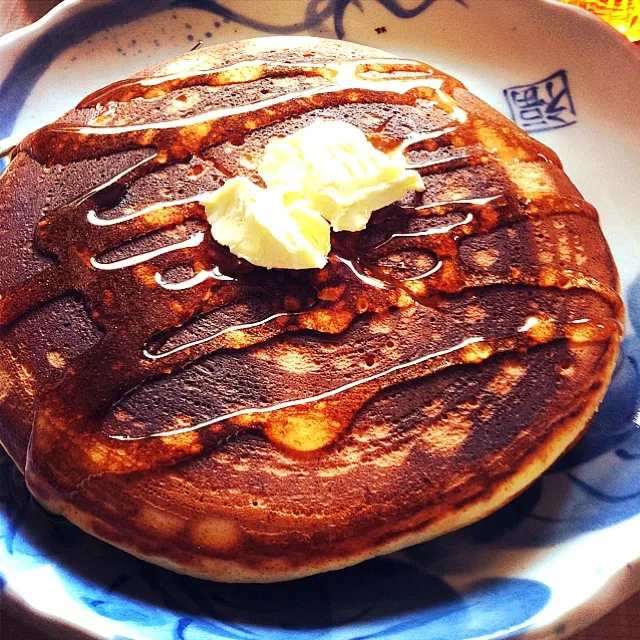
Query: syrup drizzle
point(95, 219)
point(581, 330)
point(75, 234)
point(194, 241)
point(189, 135)
point(198, 278)
point(247, 72)
point(195, 343)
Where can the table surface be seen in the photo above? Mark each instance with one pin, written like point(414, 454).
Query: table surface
point(621, 624)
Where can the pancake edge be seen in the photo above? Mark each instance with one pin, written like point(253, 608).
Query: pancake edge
point(566, 434)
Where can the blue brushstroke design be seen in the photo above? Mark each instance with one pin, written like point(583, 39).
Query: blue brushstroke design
point(317, 13)
point(380, 598)
point(313, 16)
point(35, 60)
point(50, 44)
point(602, 495)
point(627, 455)
point(423, 607)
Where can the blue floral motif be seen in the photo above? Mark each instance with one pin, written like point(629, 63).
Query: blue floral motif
point(399, 601)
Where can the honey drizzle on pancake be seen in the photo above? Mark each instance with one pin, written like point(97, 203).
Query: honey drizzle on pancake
point(242, 72)
point(187, 136)
point(74, 234)
point(471, 350)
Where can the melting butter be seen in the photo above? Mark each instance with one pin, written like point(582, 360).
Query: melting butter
point(344, 177)
point(326, 175)
point(256, 225)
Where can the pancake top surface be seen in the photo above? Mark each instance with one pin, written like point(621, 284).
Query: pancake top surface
point(275, 420)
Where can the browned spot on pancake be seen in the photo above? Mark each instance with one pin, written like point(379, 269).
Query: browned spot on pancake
point(380, 324)
point(546, 256)
point(499, 145)
point(215, 534)
point(56, 359)
point(542, 330)
point(5, 383)
point(446, 435)
point(301, 429)
point(417, 287)
point(291, 303)
point(196, 171)
point(564, 248)
point(514, 368)
point(293, 358)
point(99, 454)
point(146, 275)
point(510, 373)
point(331, 294)
point(343, 362)
point(182, 422)
point(362, 304)
point(163, 524)
point(182, 103)
point(24, 376)
point(121, 415)
point(485, 413)
point(486, 258)
point(393, 459)
point(567, 367)
point(434, 408)
point(533, 180)
point(238, 339)
point(476, 352)
point(475, 313)
point(188, 440)
point(335, 321)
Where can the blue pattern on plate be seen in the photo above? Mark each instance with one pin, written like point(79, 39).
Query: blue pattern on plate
point(542, 105)
point(318, 12)
point(385, 597)
point(401, 596)
point(49, 45)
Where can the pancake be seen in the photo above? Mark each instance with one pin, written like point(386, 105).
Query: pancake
point(243, 424)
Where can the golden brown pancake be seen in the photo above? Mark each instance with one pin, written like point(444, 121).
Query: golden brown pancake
point(244, 424)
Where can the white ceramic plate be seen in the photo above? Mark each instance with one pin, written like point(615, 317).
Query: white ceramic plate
point(550, 563)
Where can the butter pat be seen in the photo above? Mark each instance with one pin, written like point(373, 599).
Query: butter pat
point(344, 177)
point(256, 225)
point(327, 175)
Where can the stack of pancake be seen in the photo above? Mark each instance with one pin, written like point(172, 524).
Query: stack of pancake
point(245, 424)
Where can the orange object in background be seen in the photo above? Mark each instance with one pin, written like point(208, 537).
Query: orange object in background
point(624, 15)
